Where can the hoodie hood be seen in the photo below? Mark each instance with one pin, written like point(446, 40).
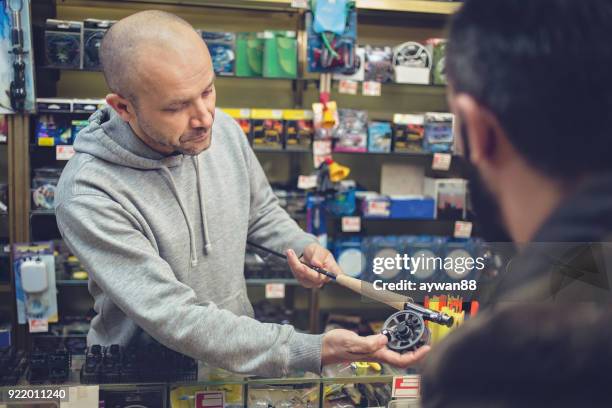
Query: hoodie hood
point(110, 138)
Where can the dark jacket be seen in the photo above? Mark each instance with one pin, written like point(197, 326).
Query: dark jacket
point(546, 337)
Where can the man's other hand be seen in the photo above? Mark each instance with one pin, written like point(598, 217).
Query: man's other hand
point(315, 255)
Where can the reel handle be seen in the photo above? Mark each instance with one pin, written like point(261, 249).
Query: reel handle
point(431, 315)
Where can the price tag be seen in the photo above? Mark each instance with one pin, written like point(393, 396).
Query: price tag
point(371, 88)
point(351, 224)
point(307, 182)
point(83, 396)
point(210, 399)
point(64, 152)
point(463, 229)
point(441, 161)
point(408, 386)
point(348, 87)
point(301, 4)
point(3, 138)
point(378, 208)
point(321, 151)
point(275, 290)
point(38, 325)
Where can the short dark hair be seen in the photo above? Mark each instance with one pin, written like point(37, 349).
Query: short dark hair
point(544, 69)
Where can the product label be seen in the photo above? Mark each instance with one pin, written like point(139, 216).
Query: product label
point(210, 399)
point(38, 325)
point(297, 114)
point(463, 229)
point(266, 114)
point(307, 182)
point(351, 224)
point(408, 386)
point(64, 152)
point(441, 161)
point(348, 87)
point(302, 4)
point(321, 151)
point(378, 208)
point(275, 291)
point(372, 88)
point(238, 113)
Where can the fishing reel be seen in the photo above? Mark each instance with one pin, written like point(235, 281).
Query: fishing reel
point(406, 330)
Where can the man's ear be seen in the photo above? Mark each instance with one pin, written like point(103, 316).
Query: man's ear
point(121, 105)
point(484, 133)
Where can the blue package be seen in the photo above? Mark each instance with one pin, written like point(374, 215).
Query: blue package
point(50, 127)
point(221, 46)
point(319, 57)
point(343, 203)
point(330, 16)
point(315, 215)
point(5, 335)
point(412, 208)
point(379, 137)
point(439, 136)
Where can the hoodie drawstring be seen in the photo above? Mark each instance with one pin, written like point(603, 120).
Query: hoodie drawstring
point(192, 249)
point(207, 244)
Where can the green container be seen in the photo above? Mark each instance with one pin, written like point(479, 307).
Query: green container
point(280, 54)
point(438, 51)
point(249, 54)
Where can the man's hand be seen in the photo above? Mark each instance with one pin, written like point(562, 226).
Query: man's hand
point(342, 346)
point(315, 255)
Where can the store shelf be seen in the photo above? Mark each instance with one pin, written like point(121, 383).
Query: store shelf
point(296, 217)
point(389, 226)
point(402, 6)
point(395, 87)
point(4, 226)
point(217, 78)
point(43, 212)
point(407, 155)
point(71, 282)
point(266, 5)
point(261, 282)
point(369, 379)
point(252, 381)
point(410, 6)
point(251, 282)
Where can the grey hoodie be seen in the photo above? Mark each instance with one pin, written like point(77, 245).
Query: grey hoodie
point(163, 240)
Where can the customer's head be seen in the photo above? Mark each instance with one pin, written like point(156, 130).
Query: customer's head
point(161, 77)
point(531, 86)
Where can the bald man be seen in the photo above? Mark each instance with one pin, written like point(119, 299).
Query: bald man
point(159, 201)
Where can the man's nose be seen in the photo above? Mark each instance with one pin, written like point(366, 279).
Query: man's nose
point(201, 117)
